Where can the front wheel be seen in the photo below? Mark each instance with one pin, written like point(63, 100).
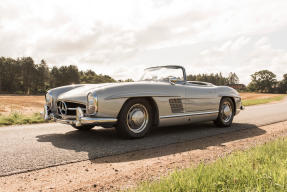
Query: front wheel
point(135, 119)
point(83, 127)
point(226, 113)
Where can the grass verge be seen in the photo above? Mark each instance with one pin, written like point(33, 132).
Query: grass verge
point(18, 118)
point(250, 102)
point(263, 168)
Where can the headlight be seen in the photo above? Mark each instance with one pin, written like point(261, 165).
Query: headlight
point(238, 99)
point(49, 100)
point(92, 103)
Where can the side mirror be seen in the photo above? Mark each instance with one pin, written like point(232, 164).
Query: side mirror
point(172, 80)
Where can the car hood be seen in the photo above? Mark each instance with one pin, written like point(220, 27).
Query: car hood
point(80, 93)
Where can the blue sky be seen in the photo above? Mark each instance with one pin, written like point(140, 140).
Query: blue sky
point(120, 38)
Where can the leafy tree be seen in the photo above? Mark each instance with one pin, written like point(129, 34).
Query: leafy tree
point(127, 80)
point(263, 81)
point(233, 78)
point(64, 75)
point(42, 77)
point(28, 73)
point(71, 74)
point(283, 84)
point(9, 75)
point(55, 79)
point(91, 77)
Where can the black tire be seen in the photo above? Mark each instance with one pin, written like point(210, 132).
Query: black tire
point(131, 125)
point(84, 127)
point(224, 120)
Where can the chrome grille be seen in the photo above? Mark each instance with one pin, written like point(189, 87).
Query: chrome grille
point(176, 105)
point(70, 108)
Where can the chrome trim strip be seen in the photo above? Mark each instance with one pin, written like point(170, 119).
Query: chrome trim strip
point(190, 98)
point(188, 114)
point(74, 109)
point(146, 94)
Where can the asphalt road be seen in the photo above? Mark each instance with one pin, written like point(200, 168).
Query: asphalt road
point(30, 147)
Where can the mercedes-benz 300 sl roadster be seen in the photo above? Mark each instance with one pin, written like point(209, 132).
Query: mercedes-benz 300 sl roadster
point(163, 97)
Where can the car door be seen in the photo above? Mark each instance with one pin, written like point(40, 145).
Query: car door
point(200, 99)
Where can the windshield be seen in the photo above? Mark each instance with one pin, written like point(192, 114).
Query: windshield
point(162, 74)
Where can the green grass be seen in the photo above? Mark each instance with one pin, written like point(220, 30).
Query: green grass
point(17, 118)
point(262, 168)
point(250, 102)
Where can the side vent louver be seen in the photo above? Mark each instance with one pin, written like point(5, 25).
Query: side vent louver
point(176, 105)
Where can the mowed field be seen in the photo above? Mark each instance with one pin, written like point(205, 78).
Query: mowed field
point(28, 105)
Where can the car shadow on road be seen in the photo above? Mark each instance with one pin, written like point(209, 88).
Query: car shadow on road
point(162, 141)
point(166, 140)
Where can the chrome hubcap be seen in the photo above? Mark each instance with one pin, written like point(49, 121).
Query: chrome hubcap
point(137, 118)
point(226, 111)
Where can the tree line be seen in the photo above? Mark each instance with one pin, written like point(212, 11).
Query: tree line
point(263, 81)
point(216, 79)
point(23, 76)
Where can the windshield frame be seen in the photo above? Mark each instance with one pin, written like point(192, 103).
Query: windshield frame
point(170, 67)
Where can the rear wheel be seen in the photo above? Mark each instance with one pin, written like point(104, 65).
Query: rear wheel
point(83, 127)
point(135, 119)
point(226, 113)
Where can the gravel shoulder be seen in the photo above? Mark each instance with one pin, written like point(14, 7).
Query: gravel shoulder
point(127, 170)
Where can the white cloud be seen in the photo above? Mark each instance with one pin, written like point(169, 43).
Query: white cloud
point(243, 56)
point(206, 36)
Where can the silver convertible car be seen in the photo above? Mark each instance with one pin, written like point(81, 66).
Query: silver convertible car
point(163, 97)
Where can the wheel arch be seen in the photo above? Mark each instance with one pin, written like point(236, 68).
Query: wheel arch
point(232, 99)
point(153, 105)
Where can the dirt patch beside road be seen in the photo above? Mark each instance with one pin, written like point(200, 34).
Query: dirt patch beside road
point(21, 104)
point(248, 96)
point(127, 170)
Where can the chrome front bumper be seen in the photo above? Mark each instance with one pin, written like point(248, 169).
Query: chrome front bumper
point(239, 107)
point(80, 118)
